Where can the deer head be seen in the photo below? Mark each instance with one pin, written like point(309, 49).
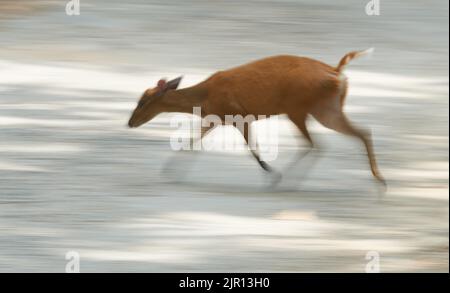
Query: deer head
point(152, 102)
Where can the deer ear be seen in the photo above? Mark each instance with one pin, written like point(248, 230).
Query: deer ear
point(162, 84)
point(173, 84)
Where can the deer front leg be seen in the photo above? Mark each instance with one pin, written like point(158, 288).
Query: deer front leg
point(175, 159)
point(254, 149)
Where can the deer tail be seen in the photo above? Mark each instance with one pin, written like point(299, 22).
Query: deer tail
point(349, 56)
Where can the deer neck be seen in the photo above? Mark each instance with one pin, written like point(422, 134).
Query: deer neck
point(184, 100)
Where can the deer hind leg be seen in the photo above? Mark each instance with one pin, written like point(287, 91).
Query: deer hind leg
point(330, 115)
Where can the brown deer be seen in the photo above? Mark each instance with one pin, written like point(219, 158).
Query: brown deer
point(291, 85)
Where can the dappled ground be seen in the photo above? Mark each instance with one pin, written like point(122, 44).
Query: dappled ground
point(73, 177)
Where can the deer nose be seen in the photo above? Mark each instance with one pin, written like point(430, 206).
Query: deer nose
point(130, 123)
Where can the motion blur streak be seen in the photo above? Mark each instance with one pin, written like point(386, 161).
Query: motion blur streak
point(73, 177)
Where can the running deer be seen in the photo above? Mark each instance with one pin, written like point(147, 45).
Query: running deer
point(291, 85)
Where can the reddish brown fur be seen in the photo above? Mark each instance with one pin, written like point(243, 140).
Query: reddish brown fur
point(271, 86)
point(296, 86)
point(275, 85)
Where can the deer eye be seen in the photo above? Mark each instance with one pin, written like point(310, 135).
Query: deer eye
point(141, 103)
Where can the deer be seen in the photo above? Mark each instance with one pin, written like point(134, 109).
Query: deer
point(295, 86)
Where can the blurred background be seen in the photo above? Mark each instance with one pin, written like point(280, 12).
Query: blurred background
point(74, 178)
